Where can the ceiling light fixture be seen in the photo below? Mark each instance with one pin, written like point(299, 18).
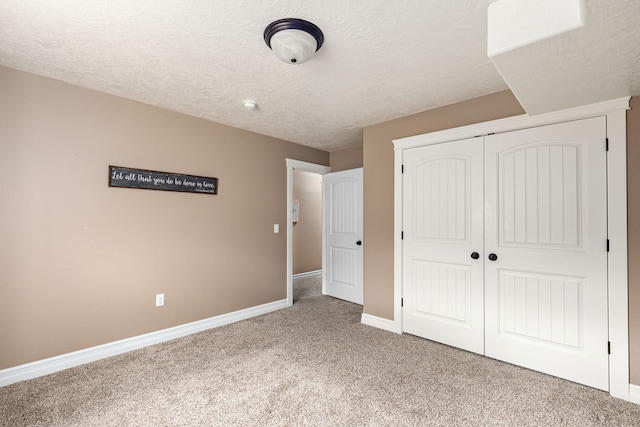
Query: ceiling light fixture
point(293, 40)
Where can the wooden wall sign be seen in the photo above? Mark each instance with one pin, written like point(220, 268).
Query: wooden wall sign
point(152, 180)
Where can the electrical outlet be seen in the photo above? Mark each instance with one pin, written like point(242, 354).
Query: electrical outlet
point(159, 300)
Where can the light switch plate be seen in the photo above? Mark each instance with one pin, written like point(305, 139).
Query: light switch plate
point(276, 228)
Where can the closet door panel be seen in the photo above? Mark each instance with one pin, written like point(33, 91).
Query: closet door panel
point(546, 223)
point(442, 226)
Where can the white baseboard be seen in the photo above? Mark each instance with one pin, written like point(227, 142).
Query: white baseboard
point(307, 274)
point(80, 357)
point(634, 393)
point(380, 323)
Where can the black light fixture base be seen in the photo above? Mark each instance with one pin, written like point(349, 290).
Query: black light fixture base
point(293, 24)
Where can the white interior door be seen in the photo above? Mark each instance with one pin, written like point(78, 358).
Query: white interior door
point(443, 296)
point(546, 222)
point(343, 257)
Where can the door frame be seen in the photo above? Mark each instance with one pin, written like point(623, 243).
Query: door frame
point(615, 111)
point(304, 167)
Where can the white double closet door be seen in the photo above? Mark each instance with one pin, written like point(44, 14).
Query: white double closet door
point(505, 247)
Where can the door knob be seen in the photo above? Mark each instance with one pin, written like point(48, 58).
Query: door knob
point(475, 255)
point(359, 242)
point(493, 257)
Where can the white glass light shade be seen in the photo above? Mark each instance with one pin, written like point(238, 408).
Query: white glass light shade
point(293, 46)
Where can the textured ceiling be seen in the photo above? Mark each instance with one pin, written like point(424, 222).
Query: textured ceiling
point(596, 62)
point(380, 60)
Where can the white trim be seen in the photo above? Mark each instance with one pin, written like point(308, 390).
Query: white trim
point(80, 357)
point(512, 123)
point(307, 274)
point(380, 323)
point(634, 394)
point(397, 241)
point(615, 111)
point(306, 167)
point(618, 262)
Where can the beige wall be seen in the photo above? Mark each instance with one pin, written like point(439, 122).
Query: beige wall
point(80, 263)
point(307, 232)
point(633, 209)
point(350, 158)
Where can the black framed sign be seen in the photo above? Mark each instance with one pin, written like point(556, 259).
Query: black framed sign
point(153, 180)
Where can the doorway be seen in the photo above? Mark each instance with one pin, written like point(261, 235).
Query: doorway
point(504, 247)
point(295, 165)
point(307, 223)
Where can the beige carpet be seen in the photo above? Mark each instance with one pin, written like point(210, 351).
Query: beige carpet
point(314, 364)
